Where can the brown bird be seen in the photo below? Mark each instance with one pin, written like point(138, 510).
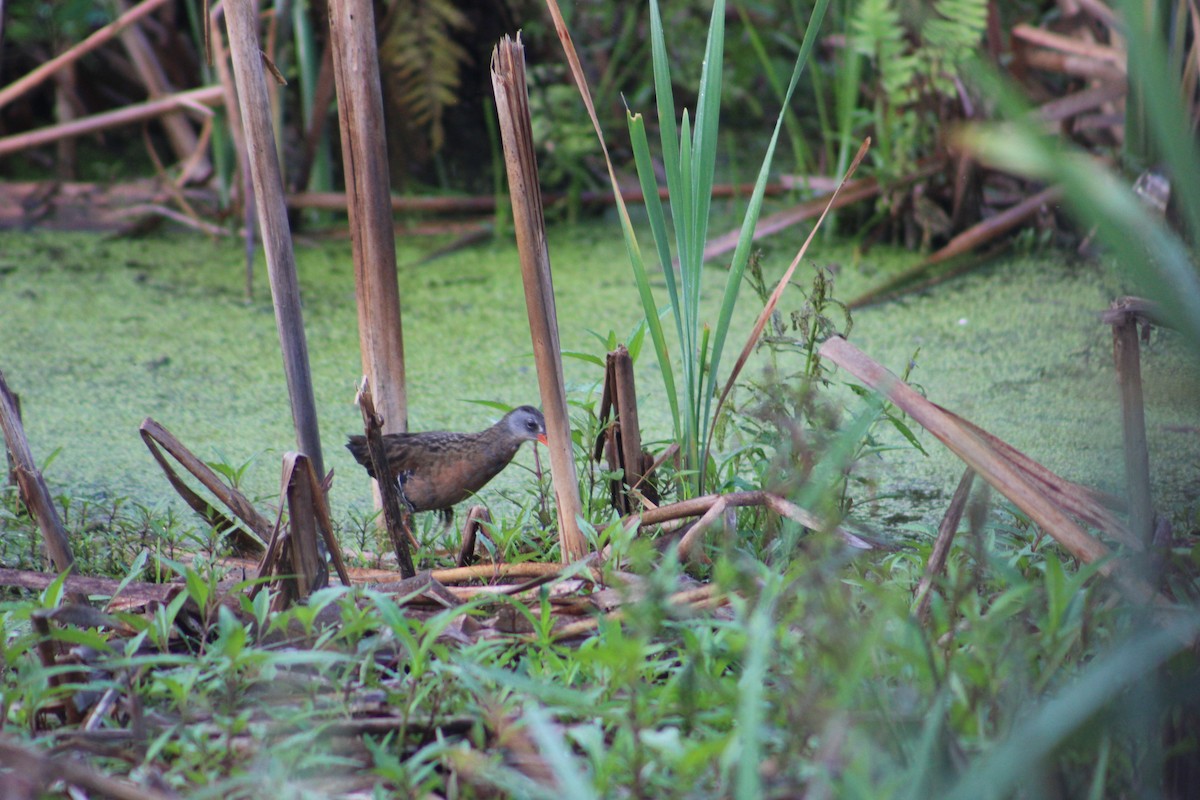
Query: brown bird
point(437, 469)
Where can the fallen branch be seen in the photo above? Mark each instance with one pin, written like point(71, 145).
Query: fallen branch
point(39, 772)
point(482, 204)
point(699, 506)
point(83, 585)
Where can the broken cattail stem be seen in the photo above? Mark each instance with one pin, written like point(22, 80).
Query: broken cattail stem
point(32, 486)
point(72, 55)
point(977, 454)
point(245, 541)
point(476, 516)
point(242, 24)
point(307, 564)
point(352, 32)
point(395, 515)
point(512, 109)
point(1125, 320)
point(393, 512)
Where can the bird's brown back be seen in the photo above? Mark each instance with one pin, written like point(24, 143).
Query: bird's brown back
point(440, 468)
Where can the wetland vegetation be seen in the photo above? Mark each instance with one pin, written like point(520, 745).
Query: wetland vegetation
point(906, 639)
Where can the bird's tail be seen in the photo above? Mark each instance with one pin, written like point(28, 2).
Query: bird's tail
point(357, 445)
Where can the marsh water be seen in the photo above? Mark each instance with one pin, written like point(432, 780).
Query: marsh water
point(97, 334)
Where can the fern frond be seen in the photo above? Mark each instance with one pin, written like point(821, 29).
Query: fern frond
point(422, 61)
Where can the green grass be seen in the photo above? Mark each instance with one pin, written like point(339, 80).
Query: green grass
point(814, 677)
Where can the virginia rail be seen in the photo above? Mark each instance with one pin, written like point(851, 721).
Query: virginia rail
point(437, 469)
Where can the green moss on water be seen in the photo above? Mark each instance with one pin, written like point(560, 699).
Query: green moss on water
point(99, 334)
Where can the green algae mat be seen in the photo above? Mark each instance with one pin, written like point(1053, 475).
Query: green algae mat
point(97, 334)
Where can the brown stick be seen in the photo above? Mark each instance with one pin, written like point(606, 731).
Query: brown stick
point(717, 509)
point(394, 514)
point(968, 240)
point(189, 100)
point(495, 571)
point(1133, 417)
point(850, 193)
point(242, 187)
point(476, 516)
point(100, 37)
point(512, 109)
point(315, 129)
point(32, 486)
point(699, 597)
point(154, 78)
point(79, 585)
point(252, 541)
point(1066, 44)
point(373, 240)
point(8, 456)
point(625, 398)
point(1080, 501)
point(307, 565)
point(941, 545)
point(698, 506)
point(1072, 105)
point(337, 201)
point(1068, 64)
point(48, 654)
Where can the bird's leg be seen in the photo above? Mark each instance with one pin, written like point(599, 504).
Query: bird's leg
point(447, 520)
point(401, 477)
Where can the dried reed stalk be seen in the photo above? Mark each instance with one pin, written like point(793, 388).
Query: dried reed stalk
point(372, 236)
point(179, 130)
point(941, 545)
point(191, 100)
point(1007, 478)
point(1125, 318)
point(32, 486)
point(970, 239)
point(72, 55)
point(252, 541)
point(241, 22)
point(394, 514)
point(512, 108)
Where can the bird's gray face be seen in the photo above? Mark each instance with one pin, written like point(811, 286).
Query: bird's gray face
point(528, 423)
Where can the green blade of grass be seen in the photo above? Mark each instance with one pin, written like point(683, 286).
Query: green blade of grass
point(705, 144)
point(741, 253)
point(999, 771)
point(627, 231)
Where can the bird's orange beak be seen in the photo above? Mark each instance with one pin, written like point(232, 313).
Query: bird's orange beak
point(542, 438)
